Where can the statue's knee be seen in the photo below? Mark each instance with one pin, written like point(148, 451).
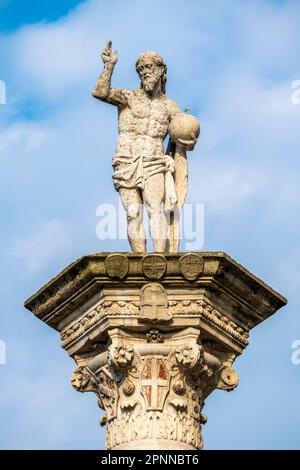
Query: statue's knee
point(154, 209)
point(133, 212)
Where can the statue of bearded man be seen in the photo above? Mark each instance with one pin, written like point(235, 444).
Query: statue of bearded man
point(140, 164)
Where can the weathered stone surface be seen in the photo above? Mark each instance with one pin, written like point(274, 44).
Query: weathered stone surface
point(154, 266)
point(143, 172)
point(154, 304)
point(116, 265)
point(152, 351)
point(191, 265)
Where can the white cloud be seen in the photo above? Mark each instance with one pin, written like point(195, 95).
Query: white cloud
point(247, 105)
point(33, 253)
point(22, 137)
point(52, 56)
point(221, 187)
point(268, 32)
point(43, 405)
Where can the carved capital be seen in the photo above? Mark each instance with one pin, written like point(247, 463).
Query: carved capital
point(153, 386)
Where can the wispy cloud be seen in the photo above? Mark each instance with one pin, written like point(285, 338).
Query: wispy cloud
point(21, 138)
point(33, 253)
point(44, 406)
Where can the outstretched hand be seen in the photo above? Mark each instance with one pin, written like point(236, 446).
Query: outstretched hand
point(107, 56)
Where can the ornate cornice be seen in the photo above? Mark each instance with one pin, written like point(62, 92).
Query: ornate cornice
point(93, 317)
point(216, 271)
point(204, 309)
point(180, 308)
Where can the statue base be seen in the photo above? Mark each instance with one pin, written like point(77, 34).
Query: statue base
point(153, 335)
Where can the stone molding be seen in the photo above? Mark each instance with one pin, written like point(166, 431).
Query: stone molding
point(120, 309)
point(79, 281)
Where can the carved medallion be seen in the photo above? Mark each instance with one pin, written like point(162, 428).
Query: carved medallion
point(154, 383)
point(191, 266)
point(154, 266)
point(117, 265)
point(154, 304)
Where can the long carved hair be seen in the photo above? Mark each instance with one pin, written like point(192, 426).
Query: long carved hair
point(158, 60)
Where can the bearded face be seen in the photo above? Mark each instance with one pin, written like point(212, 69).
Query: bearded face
point(150, 74)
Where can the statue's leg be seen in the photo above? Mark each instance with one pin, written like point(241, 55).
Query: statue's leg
point(133, 205)
point(153, 194)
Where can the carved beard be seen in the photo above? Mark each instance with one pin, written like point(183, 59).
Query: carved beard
point(150, 82)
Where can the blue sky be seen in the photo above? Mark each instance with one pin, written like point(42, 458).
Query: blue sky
point(232, 64)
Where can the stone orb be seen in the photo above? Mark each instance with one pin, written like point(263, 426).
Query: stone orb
point(184, 129)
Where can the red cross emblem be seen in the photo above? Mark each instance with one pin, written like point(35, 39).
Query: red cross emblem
point(154, 383)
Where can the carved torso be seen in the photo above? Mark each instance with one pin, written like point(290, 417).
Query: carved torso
point(143, 124)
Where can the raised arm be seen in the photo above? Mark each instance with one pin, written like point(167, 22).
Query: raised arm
point(102, 90)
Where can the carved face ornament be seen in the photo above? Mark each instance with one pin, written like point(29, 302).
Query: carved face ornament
point(121, 356)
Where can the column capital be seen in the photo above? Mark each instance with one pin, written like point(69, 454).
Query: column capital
point(153, 335)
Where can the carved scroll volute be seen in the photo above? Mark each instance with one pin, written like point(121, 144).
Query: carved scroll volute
point(228, 379)
point(220, 360)
point(103, 384)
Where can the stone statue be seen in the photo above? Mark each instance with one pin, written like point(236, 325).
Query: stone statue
point(143, 172)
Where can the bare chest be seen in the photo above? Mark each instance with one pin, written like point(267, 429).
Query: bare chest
point(143, 116)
